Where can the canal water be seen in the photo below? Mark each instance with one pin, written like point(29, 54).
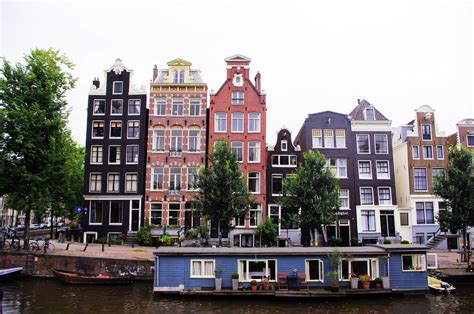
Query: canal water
point(50, 296)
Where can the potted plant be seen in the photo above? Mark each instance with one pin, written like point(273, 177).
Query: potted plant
point(338, 242)
point(335, 259)
point(266, 283)
point(365, 281)
point(218, 278)
point(235, 281)
point(354, 281)
point(253, 285)
point(378, 282)
point(335, 280)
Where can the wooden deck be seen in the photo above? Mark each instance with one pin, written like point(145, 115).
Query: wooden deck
point(313, 293)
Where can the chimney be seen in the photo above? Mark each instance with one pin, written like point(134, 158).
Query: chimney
point(258, 85)
point(96, 82)
point(155, 73)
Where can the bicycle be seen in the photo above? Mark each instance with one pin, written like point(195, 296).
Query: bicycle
point(14, 244)
point(46, 247)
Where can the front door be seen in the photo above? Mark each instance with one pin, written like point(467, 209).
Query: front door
point(135, 220)
point(345, 235)
point(188, 219)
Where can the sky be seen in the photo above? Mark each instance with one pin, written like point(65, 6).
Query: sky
point(313, 55)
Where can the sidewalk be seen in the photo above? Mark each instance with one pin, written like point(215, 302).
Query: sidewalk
point(448, 259)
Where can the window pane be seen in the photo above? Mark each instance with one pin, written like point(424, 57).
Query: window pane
point(363, 144)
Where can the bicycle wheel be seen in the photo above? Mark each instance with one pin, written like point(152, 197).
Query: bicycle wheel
point(50, 248)
point(15, 245)
point(33, 247)
point(7, 245)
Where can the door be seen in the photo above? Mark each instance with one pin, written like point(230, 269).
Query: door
point(452, 243)
point(345, 235)
point(188, 219)
point(135, 220)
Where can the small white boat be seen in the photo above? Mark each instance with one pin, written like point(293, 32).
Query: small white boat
point(10, 273)
point(438, 286)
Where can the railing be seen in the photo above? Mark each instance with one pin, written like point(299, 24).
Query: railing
point(174, 192)
point(175, 153)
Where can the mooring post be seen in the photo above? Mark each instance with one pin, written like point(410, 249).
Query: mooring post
point(85, 248)
point(133, 244)
point(103, 246)
point(110, 240)
point(67, 246)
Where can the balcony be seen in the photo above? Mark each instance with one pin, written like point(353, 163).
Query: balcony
point(175, 153)
point(174, 192)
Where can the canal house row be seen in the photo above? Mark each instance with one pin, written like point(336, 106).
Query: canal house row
point(140, 165)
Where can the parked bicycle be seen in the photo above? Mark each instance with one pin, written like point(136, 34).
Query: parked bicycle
point(13, 244)
point(46, 247)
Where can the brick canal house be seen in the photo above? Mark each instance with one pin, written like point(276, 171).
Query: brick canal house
point(358, 149)
point(420, 155)
point(237, 114)
point(176, 144)
point(282, 160)
point(115, 155)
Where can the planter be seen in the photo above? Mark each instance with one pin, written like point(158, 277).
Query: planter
point(354, 283)
point(366, 285)
point(218, 284)
point(378, 285)
point(266, 287)
point(254, 288)
point(386, 282)
point(235, 284)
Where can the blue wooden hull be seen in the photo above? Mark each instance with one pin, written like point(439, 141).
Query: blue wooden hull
point(10, 273)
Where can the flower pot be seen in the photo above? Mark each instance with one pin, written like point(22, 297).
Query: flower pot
point(235, 284)
point(366, 285)
point(386, 282)
point(266, 287)
point(254, 288)
point(378, 285)
point(218, 284)
point(354, 283)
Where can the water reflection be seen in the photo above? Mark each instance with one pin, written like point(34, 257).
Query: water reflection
point(50, 296)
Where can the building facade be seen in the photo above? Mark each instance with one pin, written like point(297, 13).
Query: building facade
point(375, 195)
point(420, 154)
point(115, 156)
point(176, 144)
point(282, 160)
point(237, 114)
point(330, 133)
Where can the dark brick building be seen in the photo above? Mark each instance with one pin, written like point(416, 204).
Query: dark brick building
point(114, 178)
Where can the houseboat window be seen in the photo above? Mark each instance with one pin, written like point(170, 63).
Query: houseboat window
point(202, 268)
point(314, 270)
point(359, 266)
point(257, 269)
point(413, 262)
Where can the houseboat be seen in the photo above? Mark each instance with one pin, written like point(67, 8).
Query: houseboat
point(184, 270)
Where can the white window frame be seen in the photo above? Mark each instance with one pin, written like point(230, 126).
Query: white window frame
point(379, 176)
point(375, 144)
point(244, 277)
point(418, 152)
point(368, 143)
point(257, 178)
point(340, 137)
point(284, 145)
point(426, 179)
point(152, 179)
point(90, 182)
point(467, 140)
point(128, 125)
point(389, 191)
point(423, 262)
point(198, 141)
point(237, 116)
point(177, 101)
point(118, 186)
point(126, 155)
point(371, 264)
point(277, 175)
point(94, 105)
point(203, 263)
point(103, 127)
point(159, 101)
point(237, 100)
point(242, 149)
point(432, 153)
point(110, 216)
point(348, 199)
point(90, 212)
point(257, 149)
point(92, 161)
point(373, 114)
point(360, 193)
point(155, 210)
point(442, 152)
point(174, 210)
point(113, 88)
point(111, 107)
point(320, 138)
point(194, 102)
point(329, 139)
point(154, 141)
point(431, 132)
point(139, 107)
point(259, 122)
point(110, 129)
point(367, 176)
point(216, 122)
point(126, 182)
point(109, 154)
point(321, 269)
point(194, 174)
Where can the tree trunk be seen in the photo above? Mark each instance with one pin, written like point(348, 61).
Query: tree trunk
point(465, 249)
point(51, 222)
point(26, 243)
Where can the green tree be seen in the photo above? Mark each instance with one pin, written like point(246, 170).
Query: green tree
point(315, 190)
point(32, 114)
point(457, 190)
point(222, 194)
point(268, 232)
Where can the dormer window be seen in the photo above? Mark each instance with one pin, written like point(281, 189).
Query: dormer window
point(181, 76)
point(426, 132)
point(175, 77)
point(284, 146)
point(118, 88)
point(369, 114)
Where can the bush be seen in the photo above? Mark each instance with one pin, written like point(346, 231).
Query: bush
point(101, 240)
point(191, 233)
point(203, 231)
point(354, 241)
point(268, 231)
point(405, 242)
point(235, 276)
point(144, 236)
point(166, 240)
point(387, 242)
point(116, 242)
point(338, 242)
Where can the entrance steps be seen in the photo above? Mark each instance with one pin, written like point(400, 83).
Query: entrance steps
point(433, 242)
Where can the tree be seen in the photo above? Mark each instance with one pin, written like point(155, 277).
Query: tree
point(268, 232)
point(457, 190)
point(315, 190)
point(32, 114)
point(222, 194)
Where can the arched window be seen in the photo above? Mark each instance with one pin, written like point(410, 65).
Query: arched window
point(158, 139)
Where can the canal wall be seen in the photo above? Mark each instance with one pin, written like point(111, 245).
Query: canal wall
point(40, 265)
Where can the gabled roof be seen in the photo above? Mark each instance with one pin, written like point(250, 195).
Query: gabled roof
point(238, 58)
point(118, 67)
point(327, 111)
point(179, 62)
point(358, 112)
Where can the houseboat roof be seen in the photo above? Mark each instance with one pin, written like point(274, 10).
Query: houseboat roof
point(402, 247)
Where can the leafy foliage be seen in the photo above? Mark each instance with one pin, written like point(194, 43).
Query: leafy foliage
point(32, 122)
point(144, 236)
point(222, 192)
point(268, 232)
point(314, 189)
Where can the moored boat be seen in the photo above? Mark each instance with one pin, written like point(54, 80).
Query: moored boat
point(80, 279)
point(438, 286)
point(10, 273)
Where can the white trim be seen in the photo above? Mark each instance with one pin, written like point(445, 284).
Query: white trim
point(216, 124)
point(423, 152)
point(442, 149)
point(370, 261)
point(423, 258)
point(110, 208)
point(128, 107)
point(113, 88)
point(89, 218)
point(232, 122)
point(370, 177)
point(113, 191)
point(115, 114)
point(131, 209)
point(110, 129)
point(90, 180)
point(95, 233)
point(111, 197)
point(259, 122)
point(360, 195)
point(93, 106)
point(377, 173)
point(125, 182)
point(120, 155)
point(375, 144)
point(426, 176)
point(243, 278)
point(92, 154)
point(417, 149)
point(321, 270)
point(431, 132)
point(357, 144)
point(92, 130)
point(467, 140)
point(139, 126)
point(126, 154)
point(389, 190)
point(202, 262)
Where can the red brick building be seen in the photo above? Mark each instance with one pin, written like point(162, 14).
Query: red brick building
point(237, 115)
point(176, 144)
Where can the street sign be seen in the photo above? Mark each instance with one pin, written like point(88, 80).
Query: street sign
point(78, 209)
